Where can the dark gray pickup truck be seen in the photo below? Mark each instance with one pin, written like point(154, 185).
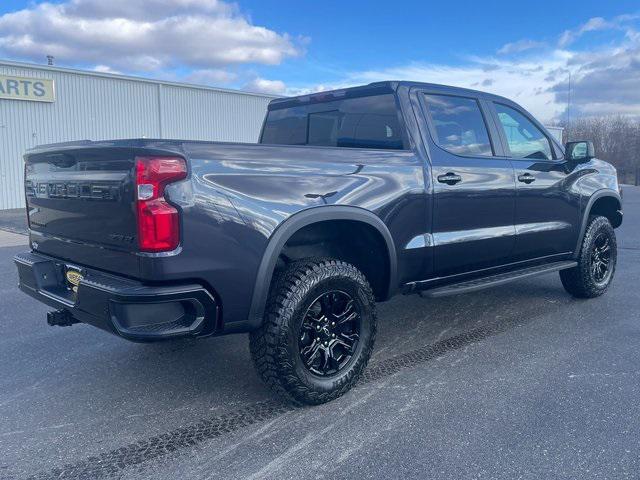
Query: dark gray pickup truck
point(351, 197)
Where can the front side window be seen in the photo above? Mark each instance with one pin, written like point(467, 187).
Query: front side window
point(525, 140)
point(362, 122)
point(459, 125)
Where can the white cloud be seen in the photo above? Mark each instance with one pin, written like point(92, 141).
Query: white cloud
point(597, 24)
point(105, 69)
point(211, 40)
point(211, 76)
point(262, 85)
point(605, 78)
point(520, 46)
point(147, 10)
point(143, 35)
point(524, 81)
point(593, 24)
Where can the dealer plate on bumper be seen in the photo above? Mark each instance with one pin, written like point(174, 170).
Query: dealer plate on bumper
point(73, 276)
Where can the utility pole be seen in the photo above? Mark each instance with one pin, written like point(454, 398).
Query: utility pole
point(50, 59)
point(569, 102)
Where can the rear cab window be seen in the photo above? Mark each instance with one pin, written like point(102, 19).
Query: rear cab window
point(458, 125)
point(363, 122)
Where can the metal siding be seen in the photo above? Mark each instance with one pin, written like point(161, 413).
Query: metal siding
point(96, 107)
point(217, 116)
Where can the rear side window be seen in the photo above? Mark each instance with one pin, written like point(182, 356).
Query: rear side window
point(363, 122)
point(286, 127)
point(525, 140)
point(324, 128)
point(459, 125)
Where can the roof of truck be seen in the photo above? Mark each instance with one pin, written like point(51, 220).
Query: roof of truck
point(377, 88)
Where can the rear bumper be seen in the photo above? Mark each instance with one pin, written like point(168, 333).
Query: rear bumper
point(120, 305)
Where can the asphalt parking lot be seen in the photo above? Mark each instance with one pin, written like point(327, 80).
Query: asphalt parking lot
point(521, 381)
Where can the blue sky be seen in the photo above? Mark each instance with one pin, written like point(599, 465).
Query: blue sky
point(524, 50)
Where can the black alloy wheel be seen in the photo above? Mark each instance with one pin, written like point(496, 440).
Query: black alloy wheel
point(329, 333)
point(601, 258)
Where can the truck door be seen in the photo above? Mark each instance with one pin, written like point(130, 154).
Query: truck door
point(547, 208)
point(473, 186)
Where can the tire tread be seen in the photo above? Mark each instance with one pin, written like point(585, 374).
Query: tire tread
point(268, 344)
point(577, 281)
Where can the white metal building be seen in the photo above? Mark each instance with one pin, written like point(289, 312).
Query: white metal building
point(42, 104)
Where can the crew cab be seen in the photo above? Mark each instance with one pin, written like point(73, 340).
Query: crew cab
point(351, 197)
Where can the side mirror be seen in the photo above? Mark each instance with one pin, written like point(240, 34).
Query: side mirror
point(579, 151)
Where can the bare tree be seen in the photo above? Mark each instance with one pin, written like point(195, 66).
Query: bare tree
point(616, 140)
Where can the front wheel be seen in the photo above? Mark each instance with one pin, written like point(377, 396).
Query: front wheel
point(596, 261)
point(318, 331)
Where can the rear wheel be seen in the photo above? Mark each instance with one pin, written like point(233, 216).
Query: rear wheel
point(596, 261)
point(318, 332)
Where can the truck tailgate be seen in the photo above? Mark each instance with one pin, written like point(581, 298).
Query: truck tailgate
point(84, 196)
point(81, 206)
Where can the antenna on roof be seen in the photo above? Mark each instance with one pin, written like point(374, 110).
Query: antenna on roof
point(50, 59)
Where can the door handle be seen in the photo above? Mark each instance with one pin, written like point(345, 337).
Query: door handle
point(526, 178)
point(449, 178)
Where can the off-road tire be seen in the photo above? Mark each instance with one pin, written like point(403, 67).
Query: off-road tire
point(274, 346)
point(579, 281)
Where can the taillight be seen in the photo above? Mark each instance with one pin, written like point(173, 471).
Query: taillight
point(158, 221)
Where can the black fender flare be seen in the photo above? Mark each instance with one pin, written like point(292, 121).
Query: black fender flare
point(291, 225)
point(585, 214)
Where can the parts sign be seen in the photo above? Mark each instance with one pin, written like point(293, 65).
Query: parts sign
point(30, 89)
